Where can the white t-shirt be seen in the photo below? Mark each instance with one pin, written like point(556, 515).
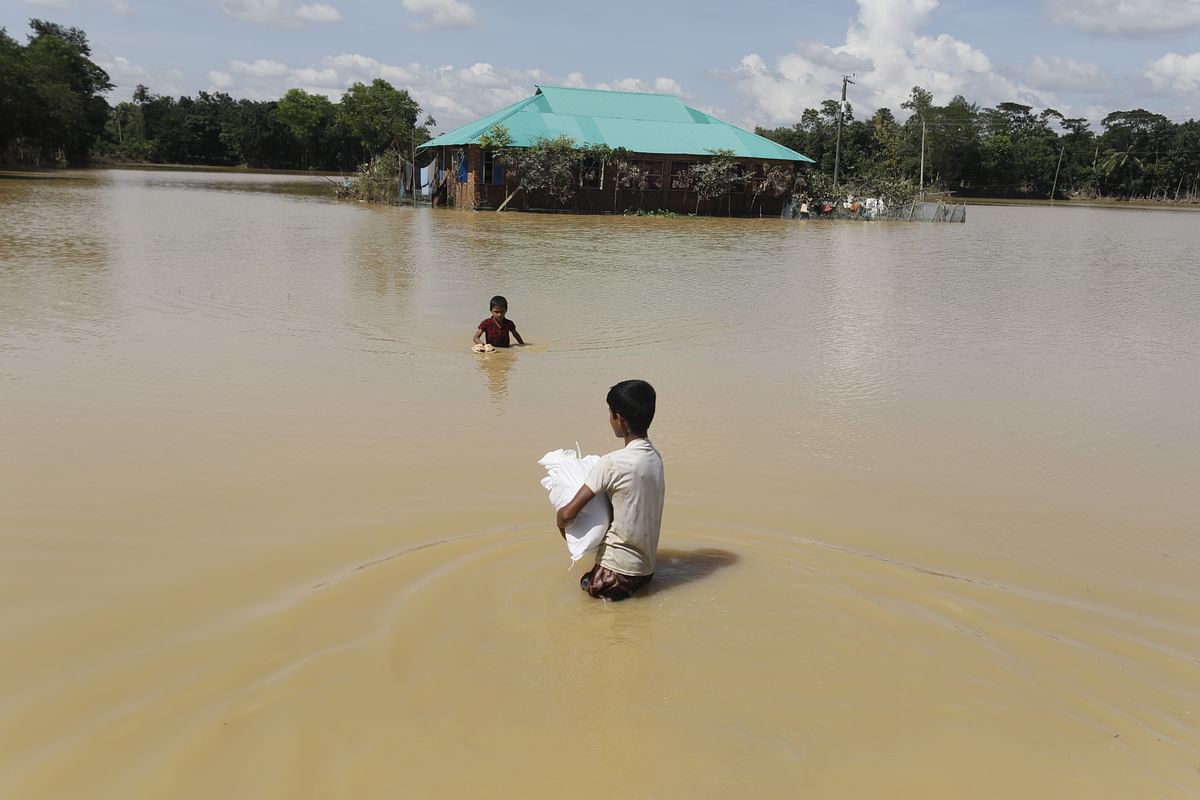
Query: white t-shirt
point(632, 478)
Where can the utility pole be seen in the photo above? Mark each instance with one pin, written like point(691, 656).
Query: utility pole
point(837, 148)
point(1055, 186)
point(921, 185)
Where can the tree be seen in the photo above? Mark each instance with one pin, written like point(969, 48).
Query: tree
point(306, 116)
point(549, 165)
point(1121, 171)
point(52, 93)
point(716, 177)
point(14, 94)
point(774, 178)
point(888, 142)
point(382, 117)
point(497, 141)
point(626, 174)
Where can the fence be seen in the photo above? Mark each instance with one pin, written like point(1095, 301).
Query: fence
point(926, 212)
point(906, 212)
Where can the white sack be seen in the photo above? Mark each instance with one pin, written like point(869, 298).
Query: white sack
point(566, 473)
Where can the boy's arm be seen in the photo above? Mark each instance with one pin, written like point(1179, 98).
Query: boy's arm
point(567, 514)
point(478, 332)
point(520, 341)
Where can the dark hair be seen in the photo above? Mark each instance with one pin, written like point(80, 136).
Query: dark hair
point(498, 300)
point(634, 401)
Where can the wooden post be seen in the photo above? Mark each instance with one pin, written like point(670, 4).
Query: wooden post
point(1055, 185)
point(510, 197)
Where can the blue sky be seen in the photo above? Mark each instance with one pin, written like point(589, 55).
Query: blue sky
point(751, 62)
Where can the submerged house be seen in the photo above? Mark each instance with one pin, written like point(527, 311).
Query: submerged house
point(660, 136)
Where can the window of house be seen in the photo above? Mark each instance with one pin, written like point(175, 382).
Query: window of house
point(652, 173)
point(460, 162)
point(681, 176)
point(589, 173)
point(493, 169)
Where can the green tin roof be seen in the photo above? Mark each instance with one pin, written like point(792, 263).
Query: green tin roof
point(638, 121)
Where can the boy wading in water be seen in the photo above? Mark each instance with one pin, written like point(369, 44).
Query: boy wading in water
point(495, 329)
point(632, 479)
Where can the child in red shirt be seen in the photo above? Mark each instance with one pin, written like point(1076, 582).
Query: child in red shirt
point(496, 328)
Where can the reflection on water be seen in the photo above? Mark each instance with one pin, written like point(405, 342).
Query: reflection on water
point(930, 499)
point(496, 366)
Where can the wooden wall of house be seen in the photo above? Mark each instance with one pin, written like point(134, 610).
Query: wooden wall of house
point(463, 196)
point(474, 194)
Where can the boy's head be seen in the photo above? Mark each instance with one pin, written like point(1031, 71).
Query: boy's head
point(498, 306)
point(633, 403)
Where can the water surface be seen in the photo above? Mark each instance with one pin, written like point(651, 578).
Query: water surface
point(270, 529)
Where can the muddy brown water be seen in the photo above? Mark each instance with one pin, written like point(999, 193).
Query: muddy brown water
point(269, 529)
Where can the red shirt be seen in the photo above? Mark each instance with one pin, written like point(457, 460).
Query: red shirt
point(497, 335)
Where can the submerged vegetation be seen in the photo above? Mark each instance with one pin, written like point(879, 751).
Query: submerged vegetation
point(558, 168)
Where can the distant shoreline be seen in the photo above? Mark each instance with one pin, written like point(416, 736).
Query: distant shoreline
point(10, 172)
point(38, 172)
point(1098, 202)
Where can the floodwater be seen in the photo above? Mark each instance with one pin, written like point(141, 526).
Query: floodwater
point(270, 530)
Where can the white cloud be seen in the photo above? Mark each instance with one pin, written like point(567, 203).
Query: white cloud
point(124, 74)
point(481, 75)
point(262, 68)
point(660, 85)
point(889, 21)
point(120, 8)
point(309, 76)
point(887, 55)
point(1065, 74)
point(945, 53)
point(441, 13)
point(280, 13)
point(453, 95)
point(318, 12)
point(1125, 17)
point(1174, 71)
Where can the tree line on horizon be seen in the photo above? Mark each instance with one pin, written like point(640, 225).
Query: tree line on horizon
point(53, 112)
point(1005, 151)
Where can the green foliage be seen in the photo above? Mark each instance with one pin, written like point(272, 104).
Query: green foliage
point(496, 138)
point(1009, 150)
point(52, 110)
point(382, 117)
point(378, 180)
point(716, 177)
point(549, 165)
point(51, 103)
point(626, 174)
point(306, 116)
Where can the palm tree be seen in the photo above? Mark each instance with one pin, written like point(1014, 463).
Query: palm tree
point(1125, 166)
